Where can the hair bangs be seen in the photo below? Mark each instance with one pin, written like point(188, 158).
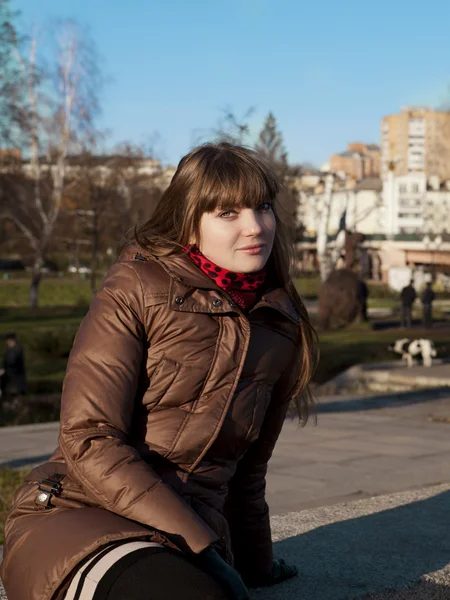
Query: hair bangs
point(230, 180)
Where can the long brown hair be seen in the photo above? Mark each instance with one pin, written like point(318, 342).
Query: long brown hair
point(227, 176)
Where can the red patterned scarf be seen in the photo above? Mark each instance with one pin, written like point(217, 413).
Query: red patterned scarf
point(244, 288)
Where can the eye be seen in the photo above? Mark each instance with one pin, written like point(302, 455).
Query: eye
point(227, 214)
point(265, 206)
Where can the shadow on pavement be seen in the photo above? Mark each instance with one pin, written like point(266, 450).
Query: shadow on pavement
point(425, 590)
point(388, 550)
point(383, 401)
point(19, 463)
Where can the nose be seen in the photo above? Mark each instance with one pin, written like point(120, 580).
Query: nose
point(252, 222)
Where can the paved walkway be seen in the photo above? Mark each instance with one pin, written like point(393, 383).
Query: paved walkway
point(25, 444)
point(392, 547)
point(362, 447)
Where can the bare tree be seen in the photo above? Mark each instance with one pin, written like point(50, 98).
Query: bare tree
point(61, 105)
point(109, 195)
point(140, 180)
point(322, 231)
point(11, 90)
point(230, 128)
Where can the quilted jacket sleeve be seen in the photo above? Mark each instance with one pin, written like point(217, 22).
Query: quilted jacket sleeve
point(246, 508)
point(96, 410)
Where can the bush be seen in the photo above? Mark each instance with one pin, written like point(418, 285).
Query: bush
point(308, 285)
point(381, 291)
point(23, 410)
point(53, 343)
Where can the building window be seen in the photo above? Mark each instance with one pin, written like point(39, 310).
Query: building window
point(402, 188)
point(415, 187)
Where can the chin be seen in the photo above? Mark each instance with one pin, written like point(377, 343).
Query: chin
point(250, 266)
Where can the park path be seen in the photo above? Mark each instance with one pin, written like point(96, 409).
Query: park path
point(360, 447)
point(324, 487)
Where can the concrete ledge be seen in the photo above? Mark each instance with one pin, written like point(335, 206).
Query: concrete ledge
point(394, 547)
point(388, 376)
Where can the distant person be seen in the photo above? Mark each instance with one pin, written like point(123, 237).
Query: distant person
point(365, 264)
point(13, 379)
point(427, 302)
point(408, 296)
point(363, 295)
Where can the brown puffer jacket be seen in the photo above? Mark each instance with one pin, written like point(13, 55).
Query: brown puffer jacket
point(172, 403)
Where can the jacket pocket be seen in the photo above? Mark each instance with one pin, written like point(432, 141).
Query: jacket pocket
point(174, 385)
point(162, 378)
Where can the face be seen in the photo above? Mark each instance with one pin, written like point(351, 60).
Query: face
point(240, 239)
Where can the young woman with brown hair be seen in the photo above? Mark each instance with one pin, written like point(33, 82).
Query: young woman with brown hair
point(176, 390)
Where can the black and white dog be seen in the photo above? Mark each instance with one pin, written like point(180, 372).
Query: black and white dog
point(412, 348)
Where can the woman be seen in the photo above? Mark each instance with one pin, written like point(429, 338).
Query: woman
point(176, 390)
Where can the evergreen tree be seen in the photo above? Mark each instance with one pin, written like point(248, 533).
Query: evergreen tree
point(270, 145)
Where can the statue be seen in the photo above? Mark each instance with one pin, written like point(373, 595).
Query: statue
point(352, 241)
point(343, 296)
point(342, 299)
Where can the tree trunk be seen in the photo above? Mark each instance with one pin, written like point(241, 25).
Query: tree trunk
point(322, 232)
point(95, 236)
point(36, 276)
point(34, 287)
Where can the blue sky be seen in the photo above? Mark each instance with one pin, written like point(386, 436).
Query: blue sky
point(328, 70)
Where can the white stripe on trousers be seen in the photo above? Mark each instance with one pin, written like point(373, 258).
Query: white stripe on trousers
point(94, 574)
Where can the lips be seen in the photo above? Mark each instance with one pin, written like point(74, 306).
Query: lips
point(252, 247)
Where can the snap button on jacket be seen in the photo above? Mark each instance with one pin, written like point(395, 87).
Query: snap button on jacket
point(172, 403)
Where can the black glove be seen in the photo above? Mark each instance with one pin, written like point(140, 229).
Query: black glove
point(280, 571)
point(211, 562)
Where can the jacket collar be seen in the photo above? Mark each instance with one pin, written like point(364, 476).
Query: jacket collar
point(187, 279)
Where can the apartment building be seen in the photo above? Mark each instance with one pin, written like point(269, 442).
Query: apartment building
point(362, 204)
point(358, 161)
point(417, 140)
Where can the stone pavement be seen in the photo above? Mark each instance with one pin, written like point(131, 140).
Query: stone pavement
point(23, 445)
point(362, 447)
point(393, 547)
point(389, 376)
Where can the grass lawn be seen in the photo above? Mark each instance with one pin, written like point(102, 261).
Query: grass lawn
point(340, 349)
point(47, 334)
point(73, 291)
point(309, 288)
point(68, 291)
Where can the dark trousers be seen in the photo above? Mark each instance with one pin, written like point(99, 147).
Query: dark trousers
point(157, 574)
point(406, 316)
point(427, 315)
